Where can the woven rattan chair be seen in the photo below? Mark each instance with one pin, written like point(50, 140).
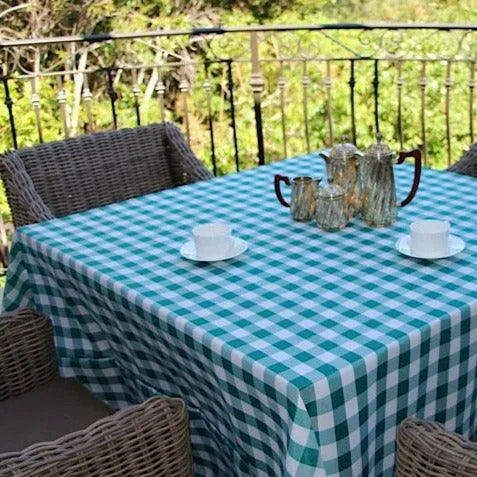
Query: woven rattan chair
point(426, 449)
point(51, 426)
point(59, 178)
point(467, 164)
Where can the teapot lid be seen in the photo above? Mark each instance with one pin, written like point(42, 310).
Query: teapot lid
point(344, 149)
point(379, 150)
point(331, 191)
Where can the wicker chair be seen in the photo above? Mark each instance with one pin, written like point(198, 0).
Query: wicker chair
point(426, 449)
point(64, 430)
point(467, 164)
point(59, 178)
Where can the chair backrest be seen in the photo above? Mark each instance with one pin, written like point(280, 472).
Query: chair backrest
point(427, 449)
point(63, 177)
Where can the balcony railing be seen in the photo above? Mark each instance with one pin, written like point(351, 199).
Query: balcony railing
point(251, 95)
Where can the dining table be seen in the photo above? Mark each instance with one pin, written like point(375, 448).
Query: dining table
point(299, 357)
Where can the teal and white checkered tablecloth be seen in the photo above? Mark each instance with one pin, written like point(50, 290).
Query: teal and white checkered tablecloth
point(298, 358)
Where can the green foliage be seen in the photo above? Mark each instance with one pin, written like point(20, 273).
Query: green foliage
point(58, 17)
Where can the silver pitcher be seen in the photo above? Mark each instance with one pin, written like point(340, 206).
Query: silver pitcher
point(304, 191)
point(342, 164)
point(378, 196)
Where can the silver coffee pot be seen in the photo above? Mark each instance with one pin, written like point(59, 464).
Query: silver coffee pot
point(342, 164)
point(378, 192)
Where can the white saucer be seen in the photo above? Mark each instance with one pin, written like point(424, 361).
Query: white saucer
point(456, 245)
point(239, 246)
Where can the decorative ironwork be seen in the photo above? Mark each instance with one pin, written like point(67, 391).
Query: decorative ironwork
point(395, 41)
point(99, 66)
point(222, 48)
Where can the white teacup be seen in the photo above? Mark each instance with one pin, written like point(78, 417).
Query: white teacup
point(212, 240)
point(430, 237)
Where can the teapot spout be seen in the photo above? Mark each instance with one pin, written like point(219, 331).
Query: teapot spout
point(325, 154)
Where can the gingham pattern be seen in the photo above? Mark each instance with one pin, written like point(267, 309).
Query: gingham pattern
point(299, 357)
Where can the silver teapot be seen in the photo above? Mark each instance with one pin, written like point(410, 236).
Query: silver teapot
point(378, 190)
point(342, 164)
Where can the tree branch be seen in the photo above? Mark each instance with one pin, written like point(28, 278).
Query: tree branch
point(13, 9)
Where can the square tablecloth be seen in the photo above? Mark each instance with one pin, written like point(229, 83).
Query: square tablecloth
point(299, 357)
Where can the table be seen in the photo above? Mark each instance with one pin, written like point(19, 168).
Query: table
point(298, 358)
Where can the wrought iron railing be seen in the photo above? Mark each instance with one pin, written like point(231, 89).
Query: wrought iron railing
point(258, 93)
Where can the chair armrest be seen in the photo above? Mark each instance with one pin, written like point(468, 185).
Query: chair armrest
point(27, 353)
point(25, 203)
point(426, 449)
point(185, 166)
point(151, 438)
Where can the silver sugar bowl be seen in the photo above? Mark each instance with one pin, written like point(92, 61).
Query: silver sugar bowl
point(332, 209)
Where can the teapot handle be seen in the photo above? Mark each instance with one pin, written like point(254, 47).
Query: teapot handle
point(416, 153)
point(278, 192)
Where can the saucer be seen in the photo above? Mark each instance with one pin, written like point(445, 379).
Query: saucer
point(238, 247)
point(456, 245)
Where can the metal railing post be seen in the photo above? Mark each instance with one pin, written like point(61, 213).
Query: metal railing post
point(400, 84)
point(376, 95)
point(258, 85)
point(160, 90)
point(448, 84)
point(136, 92)
point(36, 105)
point(306, 82)
point(113, 96)
point(87, 96)
point(329, 107)
point(208, 88)
point(472, 84)
point(352, 84)
point(9, 105)
point(184, 88)
point(230, 86)
point(61, 99)
point(281, 85)
point(423, 85)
